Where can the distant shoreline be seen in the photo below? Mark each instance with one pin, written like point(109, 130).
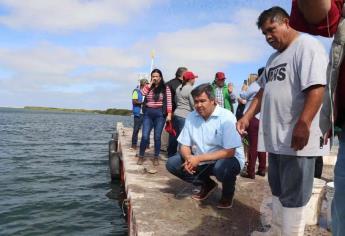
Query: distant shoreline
point(110, 111)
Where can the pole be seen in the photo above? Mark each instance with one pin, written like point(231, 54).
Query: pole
point(152, 59)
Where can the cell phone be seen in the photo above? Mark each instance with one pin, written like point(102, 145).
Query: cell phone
point(245, 82)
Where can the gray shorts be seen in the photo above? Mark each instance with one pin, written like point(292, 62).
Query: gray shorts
point(291, 178)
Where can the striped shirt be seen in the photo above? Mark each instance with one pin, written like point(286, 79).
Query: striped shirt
point(157, 104)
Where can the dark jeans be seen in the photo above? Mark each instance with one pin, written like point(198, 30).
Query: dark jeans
point(178, 123)
point(225, 170)
point(253, 131)
point(153, 118)
point(138, 121)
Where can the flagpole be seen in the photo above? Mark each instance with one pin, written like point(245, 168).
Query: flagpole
point(152, 59)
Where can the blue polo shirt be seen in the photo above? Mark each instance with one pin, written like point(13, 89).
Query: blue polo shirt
point(216, 133)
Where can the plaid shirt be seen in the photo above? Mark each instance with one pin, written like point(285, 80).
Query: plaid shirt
point(219, 96)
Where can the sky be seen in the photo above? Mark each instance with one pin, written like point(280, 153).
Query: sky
point(90, 53)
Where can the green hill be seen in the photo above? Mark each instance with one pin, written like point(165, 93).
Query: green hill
point(110, 111)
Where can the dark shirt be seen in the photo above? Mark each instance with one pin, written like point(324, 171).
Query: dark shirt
point(240, 110)
point(173, 84)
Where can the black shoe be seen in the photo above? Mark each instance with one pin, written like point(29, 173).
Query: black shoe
point(205, 191)
point(246, 175)
point(225, 202)
point(140, 161)
point(261, 173)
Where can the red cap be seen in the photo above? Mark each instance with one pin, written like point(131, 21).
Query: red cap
point(220, 76)
point(188, 75)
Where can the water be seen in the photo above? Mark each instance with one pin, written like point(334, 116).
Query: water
point(54, 174)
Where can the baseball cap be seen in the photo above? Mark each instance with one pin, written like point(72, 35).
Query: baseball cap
point(188, 75)
point(220, 76)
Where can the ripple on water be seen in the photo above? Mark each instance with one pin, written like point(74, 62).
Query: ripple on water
point(54, 174)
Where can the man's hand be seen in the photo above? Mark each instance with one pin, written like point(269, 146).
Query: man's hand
point(230, 87)
point(194, 161)
point(300, 135)
point(242, 125)
point(191, 164)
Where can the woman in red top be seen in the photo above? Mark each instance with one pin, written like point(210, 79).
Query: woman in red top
point(157, 110)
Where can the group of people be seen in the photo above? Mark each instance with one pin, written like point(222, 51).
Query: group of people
point(153, 104)
point(293, 95)
point(157, 104)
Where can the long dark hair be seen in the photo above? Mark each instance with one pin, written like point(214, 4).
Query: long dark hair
point(161, 86)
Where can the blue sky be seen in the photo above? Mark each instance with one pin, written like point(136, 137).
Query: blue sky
point(89, 53)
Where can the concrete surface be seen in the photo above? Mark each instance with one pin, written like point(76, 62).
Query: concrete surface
point(160, 204)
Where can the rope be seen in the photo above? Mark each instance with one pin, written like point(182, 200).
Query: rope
point(122, 207)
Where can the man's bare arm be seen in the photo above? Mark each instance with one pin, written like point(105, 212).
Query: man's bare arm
point(194, 161)
point(185, 152)
point(217, 155)
point(314, 11)
point(312, 104)
point(253, 109)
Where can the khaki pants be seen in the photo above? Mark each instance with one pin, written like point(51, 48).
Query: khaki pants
point(164, 141)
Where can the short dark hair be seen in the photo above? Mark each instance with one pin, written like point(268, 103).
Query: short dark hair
point(203, 88)
point(274, 14)
point(180, 71)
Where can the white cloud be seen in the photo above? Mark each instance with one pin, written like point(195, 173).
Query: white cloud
point(209, 48)
point(51, 62)
point(111, 57)
point(109, 74)
point(68, 15)
point(45, 58)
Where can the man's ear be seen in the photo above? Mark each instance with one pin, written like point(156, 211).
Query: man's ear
point(286, 21)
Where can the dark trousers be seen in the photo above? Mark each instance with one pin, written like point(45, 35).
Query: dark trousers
point(318, 167)
point(225, 170)
point(138, 121)
point(253, 131)
point(153, 118)
point(178, 123)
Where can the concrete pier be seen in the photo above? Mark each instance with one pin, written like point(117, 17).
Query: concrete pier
point(160, 204)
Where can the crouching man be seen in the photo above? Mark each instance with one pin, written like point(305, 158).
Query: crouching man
point(209, 145)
